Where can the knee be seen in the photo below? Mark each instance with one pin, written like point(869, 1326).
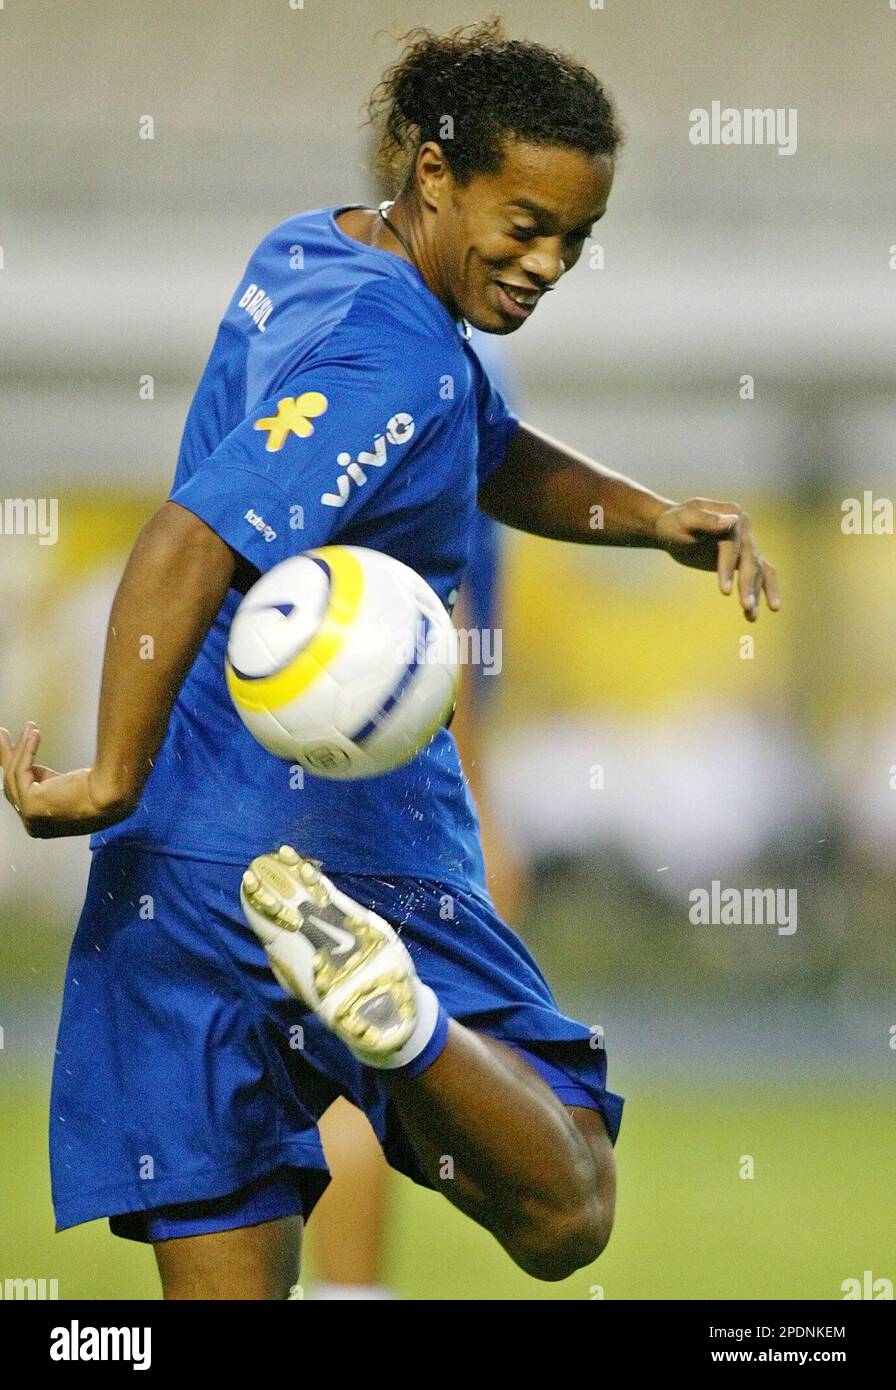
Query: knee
point(572, 1229)
point(556, 1243)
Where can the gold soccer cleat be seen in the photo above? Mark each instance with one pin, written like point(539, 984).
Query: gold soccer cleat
point(341, 959)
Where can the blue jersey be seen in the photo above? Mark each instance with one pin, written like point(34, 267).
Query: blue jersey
point(482, 581)
point(340, 404)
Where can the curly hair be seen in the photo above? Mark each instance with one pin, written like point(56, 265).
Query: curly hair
point(472, 89)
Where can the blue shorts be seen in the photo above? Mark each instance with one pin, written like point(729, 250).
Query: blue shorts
point(285, 1192)
point(187, 1084)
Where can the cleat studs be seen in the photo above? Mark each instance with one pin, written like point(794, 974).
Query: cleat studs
point(287, 855)
point(250, 882)
point(309, 873)
point(289, 918)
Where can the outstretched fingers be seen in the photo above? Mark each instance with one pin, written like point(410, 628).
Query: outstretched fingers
point(17, 761)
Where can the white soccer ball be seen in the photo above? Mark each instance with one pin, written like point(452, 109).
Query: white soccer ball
point(342, 660)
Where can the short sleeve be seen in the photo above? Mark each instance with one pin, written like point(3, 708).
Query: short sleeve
point(246, 508)
point(341, 429)
point(497, 423)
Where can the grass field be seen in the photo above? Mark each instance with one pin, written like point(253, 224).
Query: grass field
point(818, 1210)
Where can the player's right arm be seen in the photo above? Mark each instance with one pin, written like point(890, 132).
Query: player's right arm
point(175, 581)
point(374, 389)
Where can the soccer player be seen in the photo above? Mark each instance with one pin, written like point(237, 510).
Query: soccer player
point(341, 403)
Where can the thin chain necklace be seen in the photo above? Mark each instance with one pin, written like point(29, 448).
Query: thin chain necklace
point(465, 329)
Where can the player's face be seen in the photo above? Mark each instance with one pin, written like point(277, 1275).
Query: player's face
point(505, 239)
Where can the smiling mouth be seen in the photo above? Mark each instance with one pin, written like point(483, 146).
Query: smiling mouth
point(516, 299)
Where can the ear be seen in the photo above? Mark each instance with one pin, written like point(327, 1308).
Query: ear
point(434, 178)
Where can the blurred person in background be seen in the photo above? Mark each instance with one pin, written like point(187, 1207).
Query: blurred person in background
point(349, 1229)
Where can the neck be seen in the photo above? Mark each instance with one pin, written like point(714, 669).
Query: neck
point(412, 245)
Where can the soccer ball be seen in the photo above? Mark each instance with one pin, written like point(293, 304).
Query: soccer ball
point(342, 660)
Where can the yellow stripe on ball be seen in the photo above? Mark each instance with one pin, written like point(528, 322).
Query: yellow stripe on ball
point(346, 592)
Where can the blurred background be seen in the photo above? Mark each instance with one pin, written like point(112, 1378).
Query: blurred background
point(730, 332)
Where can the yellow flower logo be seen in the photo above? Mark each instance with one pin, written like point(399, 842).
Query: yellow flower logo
point(294, 416)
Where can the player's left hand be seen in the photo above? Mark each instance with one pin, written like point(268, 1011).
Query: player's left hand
point(718, 536)
point(49, 803)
